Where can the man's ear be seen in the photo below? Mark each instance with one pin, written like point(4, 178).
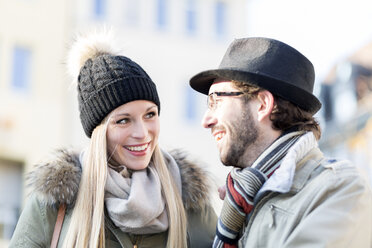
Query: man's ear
point(266, 104)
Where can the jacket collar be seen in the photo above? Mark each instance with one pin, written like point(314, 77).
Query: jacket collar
point(296, 167)
point(305, 168)
point(57, 181)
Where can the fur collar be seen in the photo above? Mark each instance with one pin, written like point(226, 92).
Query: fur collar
point(57, 181)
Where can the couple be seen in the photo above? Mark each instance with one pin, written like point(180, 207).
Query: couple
point(124, 191)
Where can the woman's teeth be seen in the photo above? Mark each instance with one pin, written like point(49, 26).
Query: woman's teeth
point(137, 148)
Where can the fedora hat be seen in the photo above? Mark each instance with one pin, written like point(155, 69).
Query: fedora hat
point(269, 64)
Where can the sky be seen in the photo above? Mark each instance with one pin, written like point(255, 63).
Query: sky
point(326, 31)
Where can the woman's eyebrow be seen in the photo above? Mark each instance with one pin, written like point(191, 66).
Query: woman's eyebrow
point(154, 106)
point(126, 114)
point(121, 114)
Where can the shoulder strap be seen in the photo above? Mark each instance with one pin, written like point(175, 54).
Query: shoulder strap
point(58, 226)
point(121, 237)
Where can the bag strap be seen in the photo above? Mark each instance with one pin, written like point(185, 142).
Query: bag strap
point(58, 225)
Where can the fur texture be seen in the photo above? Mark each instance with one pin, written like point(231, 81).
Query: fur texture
point(57, 181)
point(196, 183)
point(88, 47)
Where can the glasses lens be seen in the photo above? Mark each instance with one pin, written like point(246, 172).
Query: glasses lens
point(210, 101)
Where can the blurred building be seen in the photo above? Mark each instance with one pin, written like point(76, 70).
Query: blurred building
point(171, 39)
point(34, 105)
point(346, 94)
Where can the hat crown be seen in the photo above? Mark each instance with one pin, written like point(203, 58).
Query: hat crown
point(269, 64)
point(270, 58)
point(106, 69)
point(108, 81)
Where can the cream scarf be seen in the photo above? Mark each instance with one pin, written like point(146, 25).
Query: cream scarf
point(135, 203)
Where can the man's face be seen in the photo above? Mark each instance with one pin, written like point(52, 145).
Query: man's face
point(232, 124)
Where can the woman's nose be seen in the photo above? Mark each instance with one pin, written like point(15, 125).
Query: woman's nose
point(140, 130)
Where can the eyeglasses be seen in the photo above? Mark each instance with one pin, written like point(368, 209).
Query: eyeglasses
point(212, 98)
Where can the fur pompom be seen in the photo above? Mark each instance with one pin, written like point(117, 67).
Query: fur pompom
point(89, 46)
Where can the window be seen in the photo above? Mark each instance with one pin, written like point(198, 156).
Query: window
point(10, 196)
point(190, 16)
point(21, 75)
point(191, 101)
point(132, 12)
point(220, 21)
point(99, 8)
point(0, 62)
point(161, 13)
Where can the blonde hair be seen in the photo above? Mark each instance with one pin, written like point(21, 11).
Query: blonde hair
point(176, 211)
point(87, 228)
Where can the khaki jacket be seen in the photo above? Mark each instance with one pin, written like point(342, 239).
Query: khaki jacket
point(36, 224)
point(327, 205)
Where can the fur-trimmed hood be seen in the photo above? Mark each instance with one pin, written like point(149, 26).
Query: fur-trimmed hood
point(57, 181)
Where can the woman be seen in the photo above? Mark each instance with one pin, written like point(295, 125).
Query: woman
point(123, 191)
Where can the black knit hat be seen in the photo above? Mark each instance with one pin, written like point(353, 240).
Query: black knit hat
point(269, 64)
point(106, 82)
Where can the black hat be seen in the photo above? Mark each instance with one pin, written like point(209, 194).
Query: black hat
point(269, 64)
point(107, 82)
point(105, 79)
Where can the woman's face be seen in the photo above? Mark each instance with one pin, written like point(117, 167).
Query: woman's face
point(132, 134)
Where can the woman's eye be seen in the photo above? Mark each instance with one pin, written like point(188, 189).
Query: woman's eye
point(122, 121)
point(150, 115)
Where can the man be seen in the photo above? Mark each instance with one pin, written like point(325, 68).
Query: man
point(282, 191)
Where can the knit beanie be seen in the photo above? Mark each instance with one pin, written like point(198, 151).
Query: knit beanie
point(106, 80)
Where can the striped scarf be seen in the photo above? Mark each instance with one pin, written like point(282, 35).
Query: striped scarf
point(242, 185)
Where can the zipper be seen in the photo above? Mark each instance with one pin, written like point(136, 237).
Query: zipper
point(137, 239)
point(135, 242)
point(257, 208)
point(272, 210)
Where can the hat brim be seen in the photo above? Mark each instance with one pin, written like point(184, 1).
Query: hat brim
point(201, 82)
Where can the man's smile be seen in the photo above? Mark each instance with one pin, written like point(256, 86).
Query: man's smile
point(219, 135)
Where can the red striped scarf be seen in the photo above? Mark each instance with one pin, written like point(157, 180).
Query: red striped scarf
point(242, 185)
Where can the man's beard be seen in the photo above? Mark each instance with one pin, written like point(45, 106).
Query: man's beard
point(243, 133)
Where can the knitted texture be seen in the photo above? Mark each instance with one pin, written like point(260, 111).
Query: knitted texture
point(242, 186)
point(106, 82)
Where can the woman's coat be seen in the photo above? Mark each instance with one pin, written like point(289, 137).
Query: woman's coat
point(57, 182)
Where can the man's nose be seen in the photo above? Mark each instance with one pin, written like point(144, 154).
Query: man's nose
point(209, 120)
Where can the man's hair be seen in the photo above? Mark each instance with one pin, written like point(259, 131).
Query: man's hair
point(285, 114)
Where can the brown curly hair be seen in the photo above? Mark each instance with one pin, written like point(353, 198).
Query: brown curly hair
point(285, 114)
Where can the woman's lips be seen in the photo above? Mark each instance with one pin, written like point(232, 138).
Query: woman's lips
point(137, 148)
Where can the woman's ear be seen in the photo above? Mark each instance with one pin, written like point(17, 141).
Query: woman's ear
point(266, 105)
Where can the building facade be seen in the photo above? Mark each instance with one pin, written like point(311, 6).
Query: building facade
point(171, 39)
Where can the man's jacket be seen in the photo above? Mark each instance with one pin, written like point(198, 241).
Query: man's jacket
point(323, 203)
